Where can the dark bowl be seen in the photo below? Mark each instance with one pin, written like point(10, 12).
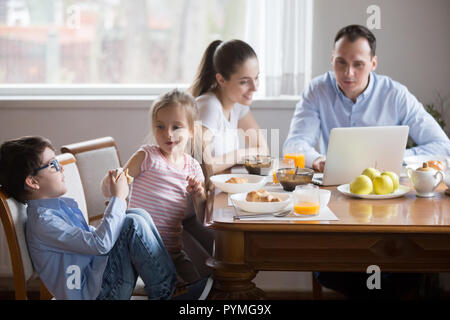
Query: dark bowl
point(260, 165)
point(290, 178)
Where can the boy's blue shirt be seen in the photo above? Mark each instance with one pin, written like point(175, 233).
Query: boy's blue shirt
point(59, 238)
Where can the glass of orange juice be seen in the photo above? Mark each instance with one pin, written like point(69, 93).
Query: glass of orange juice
point(306, 200)
point(298, 155)
point(281, 163)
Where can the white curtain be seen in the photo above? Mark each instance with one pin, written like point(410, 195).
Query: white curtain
point(280, 31)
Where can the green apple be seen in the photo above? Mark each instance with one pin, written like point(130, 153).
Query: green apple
point(371, 173)
point(361, 185)
point(394, 178)
point(383, 184)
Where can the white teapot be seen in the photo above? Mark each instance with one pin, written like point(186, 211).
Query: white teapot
point(425, 180)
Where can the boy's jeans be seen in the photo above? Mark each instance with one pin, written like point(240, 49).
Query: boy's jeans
point(139, 250)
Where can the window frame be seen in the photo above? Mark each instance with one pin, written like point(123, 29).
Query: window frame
point(56, 90)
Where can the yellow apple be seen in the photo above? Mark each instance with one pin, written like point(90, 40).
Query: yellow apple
point(371, 173)
point(394, 178)
point(361, 185)
point(383, 184)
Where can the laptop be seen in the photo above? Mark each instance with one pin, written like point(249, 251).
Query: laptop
point(351, 150)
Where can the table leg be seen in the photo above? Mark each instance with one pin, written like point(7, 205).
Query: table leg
point(232, 276)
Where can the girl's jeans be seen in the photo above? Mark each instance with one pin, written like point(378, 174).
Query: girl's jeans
point(139, 251)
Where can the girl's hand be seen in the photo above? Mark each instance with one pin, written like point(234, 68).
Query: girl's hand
point(194, 187)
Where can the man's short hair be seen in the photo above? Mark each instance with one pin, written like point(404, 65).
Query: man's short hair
point(354, 32)
point(20, 158)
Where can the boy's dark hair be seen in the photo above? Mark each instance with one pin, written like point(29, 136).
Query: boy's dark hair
point(354, 32)
point(20, 158)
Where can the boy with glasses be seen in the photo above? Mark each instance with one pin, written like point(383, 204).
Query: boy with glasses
point(109, 258)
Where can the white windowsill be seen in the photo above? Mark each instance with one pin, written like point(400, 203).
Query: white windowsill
point(102, 96)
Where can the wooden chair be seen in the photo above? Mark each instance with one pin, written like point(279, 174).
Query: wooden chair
point(13, 216)
point(74, 185)
point(94, 158)
point(197, 238)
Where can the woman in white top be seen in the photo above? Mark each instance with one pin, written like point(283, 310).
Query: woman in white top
point(224, 85)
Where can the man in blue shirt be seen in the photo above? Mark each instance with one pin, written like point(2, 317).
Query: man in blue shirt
point(75, 260)
point(353, 95)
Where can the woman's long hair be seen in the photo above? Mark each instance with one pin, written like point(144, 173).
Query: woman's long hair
point(219, 57)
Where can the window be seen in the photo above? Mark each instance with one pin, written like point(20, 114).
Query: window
point(110, 41)
point(145, 46)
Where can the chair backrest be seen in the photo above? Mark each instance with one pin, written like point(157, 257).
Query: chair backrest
point(210, 192)
point(73, 182)
point(197, 153)
point(94, 159)
point(13, 215)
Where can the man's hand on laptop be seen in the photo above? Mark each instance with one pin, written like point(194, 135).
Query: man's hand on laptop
point(319, 164)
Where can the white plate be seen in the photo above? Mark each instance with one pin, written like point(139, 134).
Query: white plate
point(401, 191)
point(261, 207)
point(418, 160)
point(255, 182)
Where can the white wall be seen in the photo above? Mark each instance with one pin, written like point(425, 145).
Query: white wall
point(65, 122)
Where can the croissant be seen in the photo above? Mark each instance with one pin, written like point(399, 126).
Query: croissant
point(261, 196)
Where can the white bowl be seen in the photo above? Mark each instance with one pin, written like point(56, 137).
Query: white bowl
point(324, 197)
point(254, 182)
point(261, 207)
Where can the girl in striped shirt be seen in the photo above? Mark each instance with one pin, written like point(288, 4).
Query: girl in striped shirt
point(166, 177)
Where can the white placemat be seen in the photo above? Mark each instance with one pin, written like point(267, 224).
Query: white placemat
point(325, 214)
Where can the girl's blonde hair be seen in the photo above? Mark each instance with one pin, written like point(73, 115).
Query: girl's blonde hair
point(176, 97)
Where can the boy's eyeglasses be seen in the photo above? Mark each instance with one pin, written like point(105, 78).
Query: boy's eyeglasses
point(54, 163)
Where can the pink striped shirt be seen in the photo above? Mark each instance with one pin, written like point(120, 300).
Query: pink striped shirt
point(161, 190)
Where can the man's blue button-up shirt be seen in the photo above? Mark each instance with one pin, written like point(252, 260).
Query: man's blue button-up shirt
point(384, 102)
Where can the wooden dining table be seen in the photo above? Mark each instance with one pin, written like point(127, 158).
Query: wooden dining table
point(405, 234)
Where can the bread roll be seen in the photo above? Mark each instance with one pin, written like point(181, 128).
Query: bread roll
point(436, 164)
point(261, 196)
